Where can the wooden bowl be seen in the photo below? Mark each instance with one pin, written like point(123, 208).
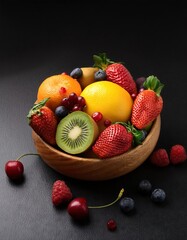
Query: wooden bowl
point(95, 169)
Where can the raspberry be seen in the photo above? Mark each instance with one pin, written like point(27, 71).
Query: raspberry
point(177, 154)
point(160, 157)
point(60, 193)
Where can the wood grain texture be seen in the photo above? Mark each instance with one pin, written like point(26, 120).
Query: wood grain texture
point(96, 169)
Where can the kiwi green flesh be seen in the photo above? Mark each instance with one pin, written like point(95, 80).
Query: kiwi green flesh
point(76, 132)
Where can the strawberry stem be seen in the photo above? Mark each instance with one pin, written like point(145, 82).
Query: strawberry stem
point(101, 61)
point(137, 134)
point(36, 108)
point(153, 83)
point(26, 154)
point(109, 204)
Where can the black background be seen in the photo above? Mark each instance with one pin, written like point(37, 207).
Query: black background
point(43, 38)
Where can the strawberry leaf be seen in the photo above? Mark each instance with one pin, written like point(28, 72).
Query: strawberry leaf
point(153, 83)
point(138, 135)
point(101, 61)
point(36, 108)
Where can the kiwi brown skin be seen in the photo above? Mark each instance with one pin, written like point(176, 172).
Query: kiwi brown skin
point(87, 77)
point(63, 132)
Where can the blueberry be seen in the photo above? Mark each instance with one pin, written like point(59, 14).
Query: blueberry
point(76, 73)
point(127, 204)
point(158, 195)
point(144, 134)
point(100, 75)
point(145, 186)
point(61, 112)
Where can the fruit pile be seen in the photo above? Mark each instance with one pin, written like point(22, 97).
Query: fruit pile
point(100, 109)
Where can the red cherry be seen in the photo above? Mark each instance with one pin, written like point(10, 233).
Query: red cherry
point(78, 208)
point(14, 169)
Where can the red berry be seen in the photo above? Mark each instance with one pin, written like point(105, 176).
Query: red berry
point(107, 123)
point(60, 193)
point(66, 103)
point(62, 90)
point(73, 98)
point(97, 116)
point(78, 208)
point(76, 107)
point(160, 157)
point(111, 225)
point(177, 154)
point(14, 169)
point(81, 101)
point(133, 95)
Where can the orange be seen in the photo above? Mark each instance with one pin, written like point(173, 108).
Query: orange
point(57, 87)
point(108, 98)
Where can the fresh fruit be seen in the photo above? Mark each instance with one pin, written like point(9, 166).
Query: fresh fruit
point(145, 186)
point(100, 75)
point(61, 193)
point(97, 116)
point(139, 83)
point(76, 73)
point(61, 112)
point(158, 195)
point(177, 154)
point(113, 141)
point(43, 121)
point(148, 103)
point(108, 98)
point(57, 87)
point(76, 132)
point(73, 102)
point(14, 169)
point(116, 72)
point(84, 75)
point(127, 204)
point(78, 209)
point(111, 225)
point(160, 158)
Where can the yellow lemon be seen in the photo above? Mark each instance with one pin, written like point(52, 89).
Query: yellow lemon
point(108, 98)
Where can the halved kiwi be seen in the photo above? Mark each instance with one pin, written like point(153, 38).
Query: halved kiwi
point(76, 132)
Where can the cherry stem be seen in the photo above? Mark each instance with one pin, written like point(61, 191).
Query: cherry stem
point(107, 205)
point(26, 154)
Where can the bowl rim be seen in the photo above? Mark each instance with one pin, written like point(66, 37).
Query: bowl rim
point(95, 169)
point(157, 121)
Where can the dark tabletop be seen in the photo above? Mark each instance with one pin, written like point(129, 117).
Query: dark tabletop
point(41, 38)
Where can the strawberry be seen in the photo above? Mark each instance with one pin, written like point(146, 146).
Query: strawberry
point(177, 154)
point(113, 141)
point(43, 121)
point(148, 103)
point(116, 139)
point(61, 193)
point(116, 72)
point(160, 157)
